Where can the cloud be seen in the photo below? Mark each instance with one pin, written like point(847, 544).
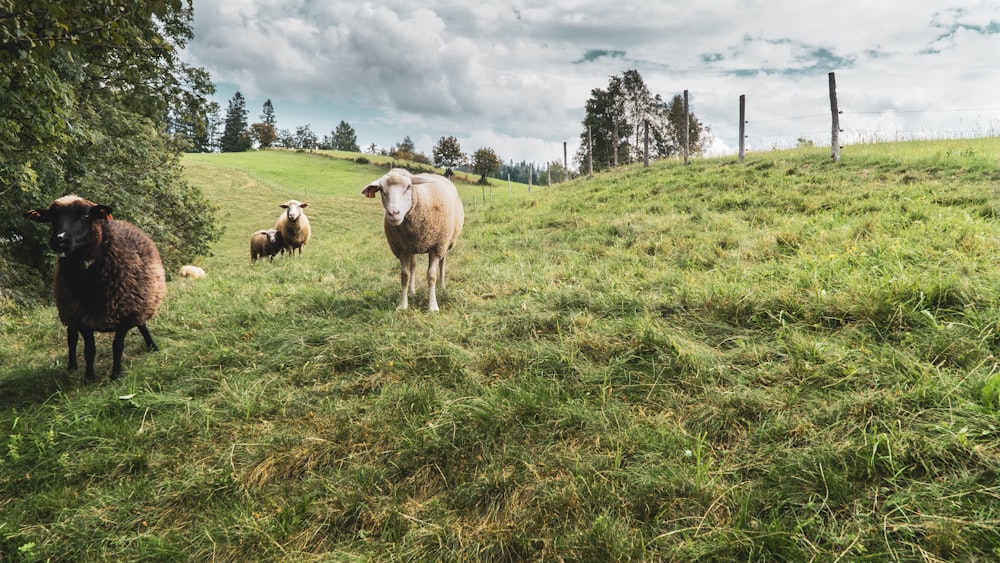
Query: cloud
point(519, 73)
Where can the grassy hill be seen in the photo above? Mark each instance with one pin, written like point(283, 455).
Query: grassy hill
point(782, 359)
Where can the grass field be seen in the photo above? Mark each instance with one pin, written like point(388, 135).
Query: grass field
point(784, 359)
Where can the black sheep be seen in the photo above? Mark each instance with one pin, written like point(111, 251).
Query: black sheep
point(109, 277)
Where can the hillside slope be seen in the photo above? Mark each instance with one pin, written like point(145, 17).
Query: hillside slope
point(784, 359)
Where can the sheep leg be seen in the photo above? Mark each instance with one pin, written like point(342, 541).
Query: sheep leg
point(72, 337)
point(405, 281)
point(89, 353)
point(117, 348)
point(441, 271)
point(432, 276)
point(150, 345)
point(413, 272)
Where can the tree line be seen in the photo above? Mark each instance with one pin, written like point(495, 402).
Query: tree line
point(615, 127)
point(238, 135)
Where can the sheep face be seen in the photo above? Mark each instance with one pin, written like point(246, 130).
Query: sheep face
point(396, 189)
point(294, 209)
point(75, 223)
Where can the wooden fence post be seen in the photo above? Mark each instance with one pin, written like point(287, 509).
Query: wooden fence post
point(565, 162)
point(743, 121)
point(835, 137)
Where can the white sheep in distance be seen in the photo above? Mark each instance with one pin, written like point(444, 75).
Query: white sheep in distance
point(293, 225)
point(109, 277)
point(423, 215)
point(194, 272)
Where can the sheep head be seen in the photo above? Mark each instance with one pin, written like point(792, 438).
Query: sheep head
point(396, 188)
point(294, 208)
point(76, 224)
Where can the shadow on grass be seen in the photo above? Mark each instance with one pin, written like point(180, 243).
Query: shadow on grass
point(31, 386)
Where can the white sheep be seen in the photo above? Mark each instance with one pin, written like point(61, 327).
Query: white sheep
point(293, 225)
point(423, 215)
point(189, 271)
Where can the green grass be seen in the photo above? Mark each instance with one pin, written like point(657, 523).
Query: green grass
point(780, 360)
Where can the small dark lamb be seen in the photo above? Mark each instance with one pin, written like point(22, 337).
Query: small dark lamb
point(109, 277)
point(266, 243)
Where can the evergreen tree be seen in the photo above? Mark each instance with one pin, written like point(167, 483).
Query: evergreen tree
point(236, 135)
point(344, 138)
point(267, 117)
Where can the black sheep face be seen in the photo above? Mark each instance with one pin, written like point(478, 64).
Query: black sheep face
point(74, 225)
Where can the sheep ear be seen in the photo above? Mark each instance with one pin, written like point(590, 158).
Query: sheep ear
point(283, 205)
point(370, 190)
point(101, 212)
point(39, 215)
point(304, 205)
point(419, 180)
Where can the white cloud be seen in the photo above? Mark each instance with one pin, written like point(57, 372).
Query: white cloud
point(516, 75)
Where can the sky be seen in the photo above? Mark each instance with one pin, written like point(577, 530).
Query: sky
point(515, 75)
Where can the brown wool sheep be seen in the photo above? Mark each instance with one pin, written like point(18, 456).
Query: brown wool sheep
point(109, 277)
point(266, 243)
point(423, 215)
point(294, 225)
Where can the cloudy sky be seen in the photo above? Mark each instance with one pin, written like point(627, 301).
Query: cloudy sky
point(514, 75)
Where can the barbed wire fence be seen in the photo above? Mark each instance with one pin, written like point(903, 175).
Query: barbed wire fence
point(826, 129)
point(839, 136)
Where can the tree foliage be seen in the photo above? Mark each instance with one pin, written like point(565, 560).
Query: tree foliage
point(94, 100)
point(305, 138)
point(236, 135)
point(485, 162)
point(616, 119)
point(344, 138)
point(447, 153)
point(265, 132)
point(407, 150)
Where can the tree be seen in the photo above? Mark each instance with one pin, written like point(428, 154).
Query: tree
point(667, 129)
point(344, 138)
point(191, 119)
point(617, 119)
point(267, 115)
point(406, 145)
point(407, 150)
point(485, 162)
point(236, 134)
point(448, 153)
point(95, 100)
point(286, 139)
point(265, 132)
point(305, 139)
